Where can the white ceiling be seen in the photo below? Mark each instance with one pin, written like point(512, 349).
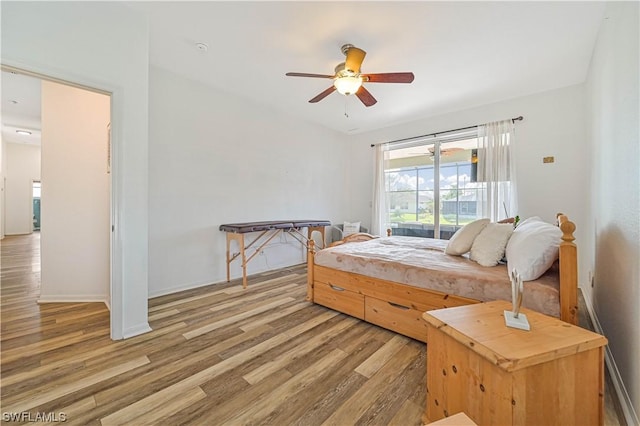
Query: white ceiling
point(463, 54)
point(20, 107)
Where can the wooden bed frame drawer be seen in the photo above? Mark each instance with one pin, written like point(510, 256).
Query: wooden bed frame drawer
point(416, 298)
point(339, 298)
point(337, 278)
point(393, 316)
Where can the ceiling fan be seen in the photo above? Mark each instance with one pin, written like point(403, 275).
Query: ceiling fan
point(348, 80)
point(443, 151)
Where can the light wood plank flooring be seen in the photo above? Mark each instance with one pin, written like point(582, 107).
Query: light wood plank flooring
point(217, 355)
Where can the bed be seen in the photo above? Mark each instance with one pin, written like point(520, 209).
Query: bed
point(390, 281)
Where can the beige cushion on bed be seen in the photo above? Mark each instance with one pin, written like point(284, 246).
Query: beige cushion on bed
point(488, 247)
point(349, 228)
point(461, 242)
point(533, 248)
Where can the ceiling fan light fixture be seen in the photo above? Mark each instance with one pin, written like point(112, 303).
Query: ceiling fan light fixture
point(348, 80)
point(347, 85)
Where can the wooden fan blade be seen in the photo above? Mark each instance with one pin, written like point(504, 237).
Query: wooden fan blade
point(323, 95)
point(354, 59)
point(390, 77)
point(366, 97)
point(302, 74)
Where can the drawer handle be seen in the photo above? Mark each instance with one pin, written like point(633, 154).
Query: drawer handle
point(395, 305)
point(336, 288)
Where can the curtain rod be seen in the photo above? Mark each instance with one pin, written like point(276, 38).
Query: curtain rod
point(513, 120)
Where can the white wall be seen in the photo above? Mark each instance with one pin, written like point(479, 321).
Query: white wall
point(103, 45)
point(22, 168)
point(553, 125)
point(614, 244)
point(215, 158)
point(75, 234)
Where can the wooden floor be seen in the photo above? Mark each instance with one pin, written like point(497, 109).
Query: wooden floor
point(217, 355)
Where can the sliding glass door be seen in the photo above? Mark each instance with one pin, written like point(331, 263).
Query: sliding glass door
point(431, 186)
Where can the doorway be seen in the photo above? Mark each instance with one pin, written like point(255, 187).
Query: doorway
point(70, 201)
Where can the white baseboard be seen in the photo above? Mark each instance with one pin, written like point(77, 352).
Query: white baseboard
point(184, 287)
point(193, 285)
point(136, 330)
point(630, 415)
point(72, 298)
point(83, 298)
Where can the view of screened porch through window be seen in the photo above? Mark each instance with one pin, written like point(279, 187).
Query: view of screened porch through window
point(432, 188)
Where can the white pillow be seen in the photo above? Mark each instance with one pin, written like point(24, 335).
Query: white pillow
point(533, 248)
point(349, 228)
point(460, 243)
point(488, 247)
point(531, 219)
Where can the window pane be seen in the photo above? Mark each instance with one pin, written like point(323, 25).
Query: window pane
point(411, 188)
point(425, 207)
point(425, 178)
point(402, 206)
point(458, 199)
point(402, 180)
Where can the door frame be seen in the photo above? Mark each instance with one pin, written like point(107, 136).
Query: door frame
point(116, 111)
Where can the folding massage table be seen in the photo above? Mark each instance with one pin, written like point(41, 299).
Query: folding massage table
point(268, 231)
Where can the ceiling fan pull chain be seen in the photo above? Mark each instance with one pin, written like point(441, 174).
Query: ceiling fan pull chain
point(345, 107)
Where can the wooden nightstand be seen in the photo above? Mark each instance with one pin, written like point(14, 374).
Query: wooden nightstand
point(459, 419)
point(551, 375)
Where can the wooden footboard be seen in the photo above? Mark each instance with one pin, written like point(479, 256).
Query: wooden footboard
point(568, 258)
point(311, 253)
point(399, 307)
point(354, 238)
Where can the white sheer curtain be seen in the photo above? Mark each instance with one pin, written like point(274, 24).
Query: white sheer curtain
point(380, 213)
point(496, 168)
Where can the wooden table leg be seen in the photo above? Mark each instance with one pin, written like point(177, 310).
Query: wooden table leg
point(228, 257)
point(238, 238)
